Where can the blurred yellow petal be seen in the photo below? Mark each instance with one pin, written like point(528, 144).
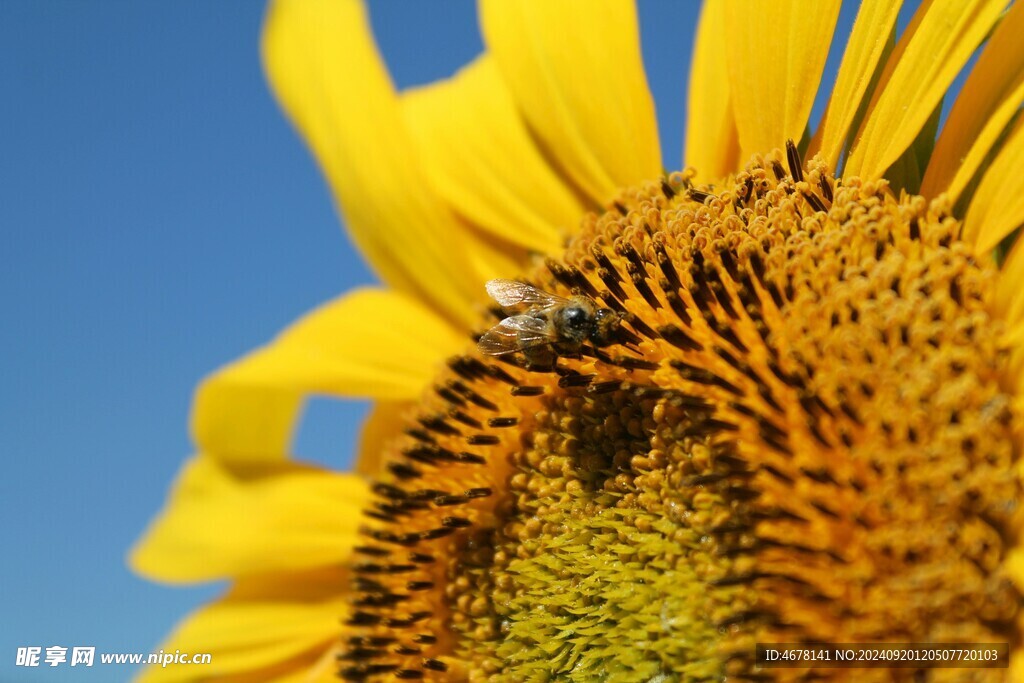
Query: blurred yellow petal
point(712, 142)
point(863, 54)
point(991, 96)
point(576, 72)
point(368, 342)
point(928, 57)
point(1017, 662)
point(777, 51)
point(217, 524)
point(998, 205)
point(485, 164)
point(324, 68)
point(384, 423)
point(266, 628)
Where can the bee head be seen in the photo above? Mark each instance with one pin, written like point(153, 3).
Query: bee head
point(575, 321)
point(605, 325)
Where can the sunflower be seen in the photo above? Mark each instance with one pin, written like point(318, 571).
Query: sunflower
point(804, 426)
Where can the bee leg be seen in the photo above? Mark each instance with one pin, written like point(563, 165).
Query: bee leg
point(567, 350)
point(540, 358)
point(600, 355)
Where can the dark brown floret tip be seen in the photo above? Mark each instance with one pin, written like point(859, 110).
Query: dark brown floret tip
point(503, 422)
point(527, 391)
point(434, 665)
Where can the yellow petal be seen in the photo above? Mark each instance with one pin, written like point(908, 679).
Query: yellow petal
point(1009, 306)
point(989, 99)
point(324, 67)
point(485, 164)
point(864, 51)
point(1009, 293)
point(383, 424)
point(712, 142)
point(367, 343)
point(777, 50)
point(904, 175)
point(928, 57)
point(219, 524)
point(998, 204)
point(266, 628)
point(575, 69)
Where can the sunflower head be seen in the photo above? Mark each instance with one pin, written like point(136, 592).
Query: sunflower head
point(802, 438)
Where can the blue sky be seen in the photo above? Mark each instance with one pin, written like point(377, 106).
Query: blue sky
point(160, 218)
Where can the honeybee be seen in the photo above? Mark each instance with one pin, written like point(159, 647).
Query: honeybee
point(540, 322)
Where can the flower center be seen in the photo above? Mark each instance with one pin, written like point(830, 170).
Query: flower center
point(803, 435)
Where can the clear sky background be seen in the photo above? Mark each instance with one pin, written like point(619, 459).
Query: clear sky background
point(158, 218)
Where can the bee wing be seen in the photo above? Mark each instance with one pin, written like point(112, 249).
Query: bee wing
point(518, 295)
point(514, 334)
